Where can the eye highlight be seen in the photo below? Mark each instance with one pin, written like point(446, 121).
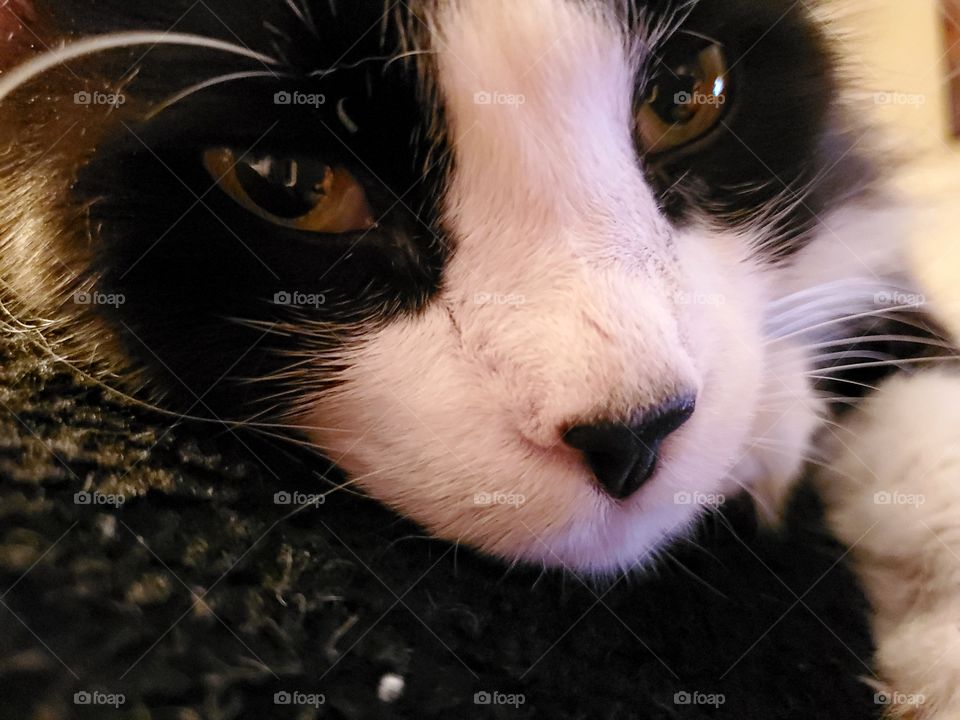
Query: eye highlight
point(685, 101)
point(301, 193)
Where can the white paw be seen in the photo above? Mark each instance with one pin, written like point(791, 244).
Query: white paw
point(893, 496)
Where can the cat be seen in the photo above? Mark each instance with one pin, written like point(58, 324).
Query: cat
point(551, 278)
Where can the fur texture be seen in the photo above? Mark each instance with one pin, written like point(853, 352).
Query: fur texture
point(893, 496)
point(535, 264)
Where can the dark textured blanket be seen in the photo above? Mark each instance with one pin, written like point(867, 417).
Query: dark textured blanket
point(148, 571)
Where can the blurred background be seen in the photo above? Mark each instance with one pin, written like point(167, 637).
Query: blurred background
point(904, 54)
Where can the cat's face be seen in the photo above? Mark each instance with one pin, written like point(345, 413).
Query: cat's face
point(511, 265)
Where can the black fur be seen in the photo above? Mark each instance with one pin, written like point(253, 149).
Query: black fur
point(782, 144)
point(190, 261)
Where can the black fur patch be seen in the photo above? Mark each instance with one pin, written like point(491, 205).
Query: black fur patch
point(781, 148)
point(191, 262)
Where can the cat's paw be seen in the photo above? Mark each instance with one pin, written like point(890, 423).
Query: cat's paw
point(893, 496)
point(920, 659)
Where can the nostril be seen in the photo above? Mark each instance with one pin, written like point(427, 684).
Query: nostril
point(665, 419)
point(623, 455)
point(614, 455)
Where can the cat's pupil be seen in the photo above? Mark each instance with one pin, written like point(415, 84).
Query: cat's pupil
point(286, 187)
point(664, 101)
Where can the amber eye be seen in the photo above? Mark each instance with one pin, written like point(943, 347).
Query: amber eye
point(291, 191)
point(685, 101)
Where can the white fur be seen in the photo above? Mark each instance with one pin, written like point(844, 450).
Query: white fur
point(568, 298)
point(894, 496)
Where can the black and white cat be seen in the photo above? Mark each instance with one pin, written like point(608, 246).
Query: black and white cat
point(549, 277)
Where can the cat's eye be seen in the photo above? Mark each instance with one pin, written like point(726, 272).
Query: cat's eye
point(685, 101)
point(292, 191)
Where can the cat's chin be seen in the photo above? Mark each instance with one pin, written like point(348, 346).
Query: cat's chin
point(623, 540)
point(542, 507)
point(588, 534)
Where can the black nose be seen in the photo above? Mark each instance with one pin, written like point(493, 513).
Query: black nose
point(623, 455)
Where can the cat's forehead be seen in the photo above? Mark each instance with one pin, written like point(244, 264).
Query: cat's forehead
point(346, 28)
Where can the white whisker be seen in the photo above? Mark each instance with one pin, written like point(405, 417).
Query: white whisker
point(845, 381)
point(888, 311)
point(24, 73)
point(222, 79)
point(849, 354)
point(888, 363)
point(825, 290)
point(906, 339)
